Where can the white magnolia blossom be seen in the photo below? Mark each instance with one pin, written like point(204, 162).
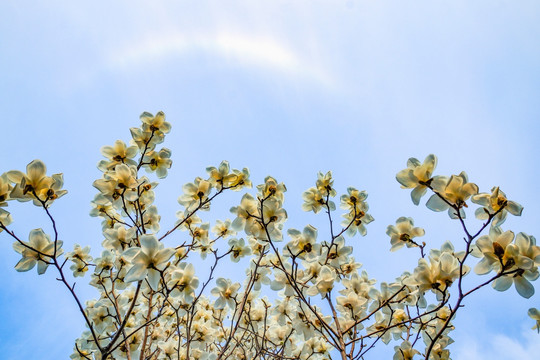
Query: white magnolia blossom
point(303, 298)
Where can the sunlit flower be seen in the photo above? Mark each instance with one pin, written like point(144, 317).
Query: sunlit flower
point(495, 203)
point(158, 161)
point(417, 176)
point(456, 191)
point(149, 261)
point(38, 250)
point(226, 293)
point(119, 153)
point(402, 233)
point(195, 193)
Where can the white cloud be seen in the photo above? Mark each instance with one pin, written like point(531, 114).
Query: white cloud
point(254, 51)
point(499, 346)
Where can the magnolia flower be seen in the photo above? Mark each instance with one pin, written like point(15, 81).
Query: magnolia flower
point(226, 293)
point(119, 153)
point(523, 258)
point(495, 203)
point(223, 229)
point(183, 281)
point(145, 139)
point(325, 184)
point(240, 179)
point(38, 250)
point(303, 244)
point(456, 191)
point(220, 177)
point(403, 233)
point(80, 258)
point(155, 123)
point(437, 274)
point(239, 249)
point(149, 261)
point(357, 223)
point(535, 315)
point(195, 193)
point(158, 162)
point(314, 201)
point(493, 248)
point(35, 184)
point(417, 176)
point(405, 351)
point(245, 213)
point(353, 200)
point(272, 188)
point(324, 282)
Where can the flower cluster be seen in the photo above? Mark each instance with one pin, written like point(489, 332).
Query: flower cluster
point(154, 302)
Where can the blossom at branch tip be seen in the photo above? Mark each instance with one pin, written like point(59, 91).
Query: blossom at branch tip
point(155, 123)
point(226, 292)
point(271, 188)
point(117, 154)
point(183, 281)
point(403, 232)
point(303, 244)
point(456, 192)
point(495, 203)
point(38, 250)
point(325, 184)
point(239, 249)
point(324, 282)
point(35, 184)
point(405, 351)
point(195, 194)
point(158, 161)
point(223, 229)
point(148, 261)
point(417, 176)
point(314, 200)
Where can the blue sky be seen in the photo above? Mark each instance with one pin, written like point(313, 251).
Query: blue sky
point(286, 88)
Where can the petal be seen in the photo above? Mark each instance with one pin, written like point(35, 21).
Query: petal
point(163, 256)
point(502, 283)
point(36, 170)
point(514, 208)
point(136, 273)
point(25, 264)
point(406, 178)
point(524, 287)
point(150, 244)
point(483, 267)
point(42, 267)
point(417, 194)
point(435, 203)
point(153, 278)
point(15, 176)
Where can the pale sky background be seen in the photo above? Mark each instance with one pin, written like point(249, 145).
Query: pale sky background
point(286, 88)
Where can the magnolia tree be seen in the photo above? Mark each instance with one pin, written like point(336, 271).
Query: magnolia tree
point(303, 297)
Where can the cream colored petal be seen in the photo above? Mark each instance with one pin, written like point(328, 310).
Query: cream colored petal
point(36, 170)
point(435, 203)
point(153, 278)
point(136, 273)
point(25, 264)
point(524, 287)
point(502, 283)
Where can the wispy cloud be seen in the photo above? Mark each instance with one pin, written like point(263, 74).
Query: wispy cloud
point(252, 51)
point(499, 346)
